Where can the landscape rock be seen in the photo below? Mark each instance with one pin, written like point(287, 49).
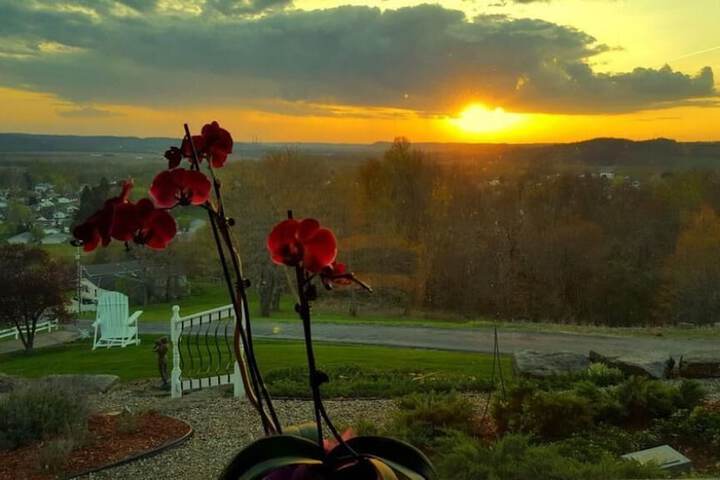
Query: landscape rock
point(644, 365)
point(700, 365)
point(540, 365)
point(88, 384)
point(665, 457)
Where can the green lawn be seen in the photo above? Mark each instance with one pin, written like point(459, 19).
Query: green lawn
point(355, 369)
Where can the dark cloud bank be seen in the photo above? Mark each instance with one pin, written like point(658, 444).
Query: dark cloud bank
point(426, 58)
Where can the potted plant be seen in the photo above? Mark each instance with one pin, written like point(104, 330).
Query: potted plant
point(293, 453)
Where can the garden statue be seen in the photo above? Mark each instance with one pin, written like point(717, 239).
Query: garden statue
point(308, 249)
point(161, 349)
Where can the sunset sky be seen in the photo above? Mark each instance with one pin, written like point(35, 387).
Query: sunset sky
point(362, 71)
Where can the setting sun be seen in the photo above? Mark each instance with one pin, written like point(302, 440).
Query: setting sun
point(477, 118)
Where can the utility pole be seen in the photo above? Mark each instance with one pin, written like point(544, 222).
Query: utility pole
point(79, 284)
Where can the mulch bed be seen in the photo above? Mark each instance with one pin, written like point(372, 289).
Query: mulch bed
point(107, 445)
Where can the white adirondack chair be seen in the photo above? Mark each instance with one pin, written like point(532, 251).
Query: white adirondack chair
point(115, 327)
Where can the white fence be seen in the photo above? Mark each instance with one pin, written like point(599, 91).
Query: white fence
point(48, 326)
point(202, 351)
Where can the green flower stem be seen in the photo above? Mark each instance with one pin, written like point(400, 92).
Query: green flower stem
point(303, 309)
point(255, 388)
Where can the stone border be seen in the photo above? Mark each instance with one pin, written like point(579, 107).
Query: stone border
point(141, 455)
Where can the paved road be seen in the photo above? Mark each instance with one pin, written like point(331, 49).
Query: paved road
point(41, 340)
point(473, 340)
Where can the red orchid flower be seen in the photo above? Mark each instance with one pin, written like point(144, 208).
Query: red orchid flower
point(293, 241)
point(127, 219)
point(218, 143)
point(144, 224)
point(98, 228)
point(198, 141)
point(214, 142)
point(180, 186)
point(93, 231)
point(157, 230)
point(336, 273)
point(174, 156)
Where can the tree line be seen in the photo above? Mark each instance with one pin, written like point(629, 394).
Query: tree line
point(533, 241)
point(527, 240)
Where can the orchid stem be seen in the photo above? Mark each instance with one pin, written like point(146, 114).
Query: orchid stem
point(255, 386)
point(303, 309)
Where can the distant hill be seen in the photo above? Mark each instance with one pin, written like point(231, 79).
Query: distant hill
point(22, 142)
point(656, 152)
point(660, 152)
point(598, 151)
point(31, 143)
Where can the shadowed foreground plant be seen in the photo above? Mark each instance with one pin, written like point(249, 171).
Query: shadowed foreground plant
point(300, 453)
point(42, 410)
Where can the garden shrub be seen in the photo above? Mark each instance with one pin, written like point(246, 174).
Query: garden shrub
point(692, 394)
point(556, 415)
point(356, 382)
point(53, 456)
point(603, 375)
point(422, 418)
point(597, 373)
point(592, 445)
point(699, 428)
point(604, 403)
point(508, 412)
point(584, 447)
point(445, 427)
point(549, 415)
point(646, 399)
point(39, 411)
point(364, 428)
point(459, 456)
point(514, 457)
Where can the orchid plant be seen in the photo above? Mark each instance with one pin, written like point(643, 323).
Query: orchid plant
point(297, 452)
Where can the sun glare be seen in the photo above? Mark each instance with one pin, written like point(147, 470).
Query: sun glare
point(477, 118)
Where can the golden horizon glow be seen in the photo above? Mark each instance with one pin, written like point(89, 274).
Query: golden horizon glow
point(42, 113)
point(477, 118)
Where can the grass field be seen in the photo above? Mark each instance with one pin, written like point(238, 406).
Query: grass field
point(355, 369)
